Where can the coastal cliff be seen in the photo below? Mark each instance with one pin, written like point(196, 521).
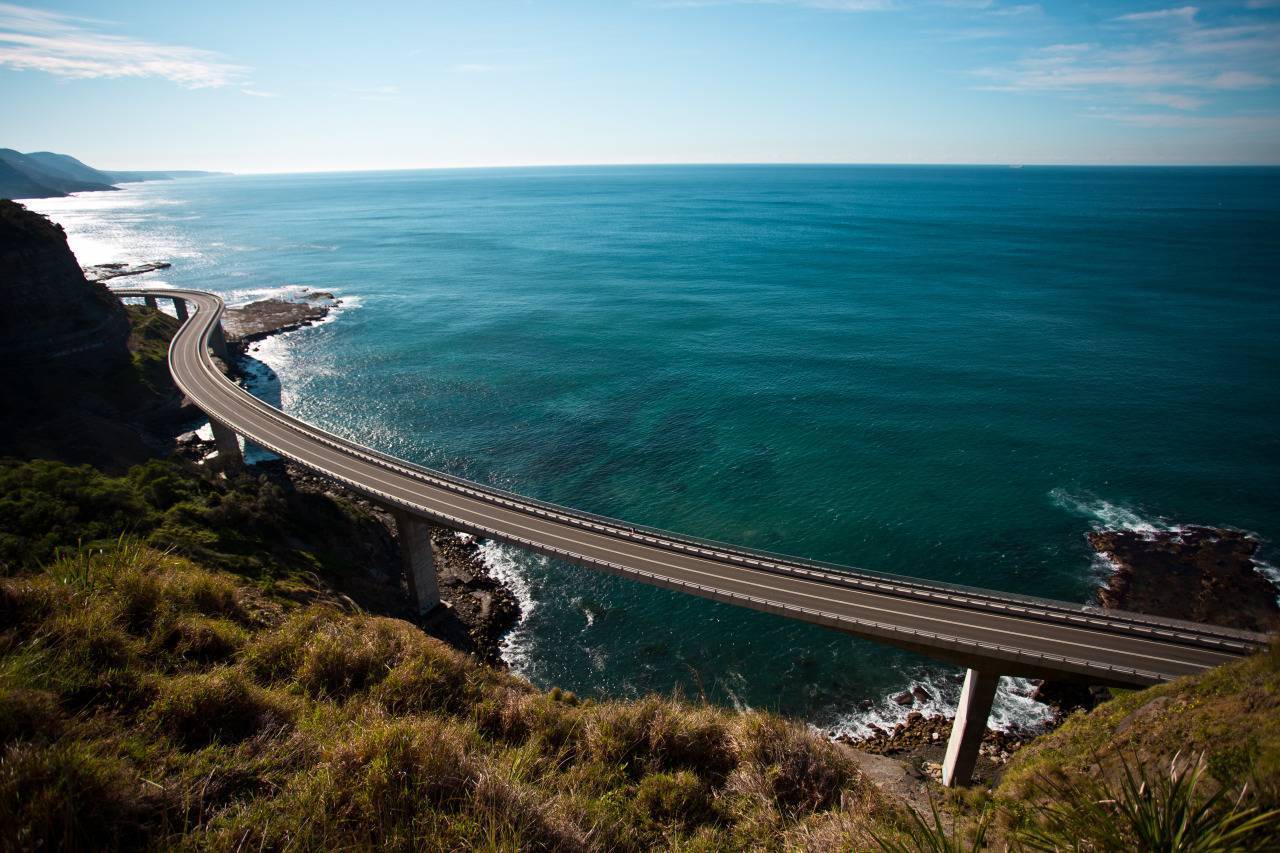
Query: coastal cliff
point(85, 378)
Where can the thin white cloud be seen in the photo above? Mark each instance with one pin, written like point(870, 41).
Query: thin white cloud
point(1262, 123)
point(1173, 100)
point(75, 47)
point(1240, 80)
point(258, 93)
point(1181, 13)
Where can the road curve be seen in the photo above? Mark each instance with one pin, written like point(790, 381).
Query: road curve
point(984, 629)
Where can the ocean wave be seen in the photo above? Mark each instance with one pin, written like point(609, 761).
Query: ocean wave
point(1105, 515)
point(503, 563)
point(1014, 708)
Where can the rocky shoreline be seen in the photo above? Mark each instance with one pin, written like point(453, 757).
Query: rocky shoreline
point(481, 610)
point(1197, 573)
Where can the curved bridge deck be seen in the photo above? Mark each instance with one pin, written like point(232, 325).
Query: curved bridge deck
point(979, 629)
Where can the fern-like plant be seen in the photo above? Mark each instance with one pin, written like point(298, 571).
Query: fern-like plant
point(1165, 814)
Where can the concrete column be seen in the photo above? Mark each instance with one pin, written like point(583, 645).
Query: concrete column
point(228, 444)
point(150, 301)
point(180, 308)
point(970, 724)
point(218, 342)
point(419, 560)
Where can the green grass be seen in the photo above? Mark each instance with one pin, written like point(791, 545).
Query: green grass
point(148, 703)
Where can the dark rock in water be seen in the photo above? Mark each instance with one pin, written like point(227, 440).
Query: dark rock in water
point(904, 698)
point(103, 272)
point(267, 317)
point(920, 694)
point(866, 705)
point(1201, 574)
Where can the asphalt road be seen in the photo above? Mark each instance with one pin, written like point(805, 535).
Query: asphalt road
point(984, 629)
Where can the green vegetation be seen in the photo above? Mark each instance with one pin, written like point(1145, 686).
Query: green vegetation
point(146, 702)
point(171, 675)
point(245, 524)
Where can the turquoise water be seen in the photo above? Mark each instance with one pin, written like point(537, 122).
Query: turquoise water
point(948, 372)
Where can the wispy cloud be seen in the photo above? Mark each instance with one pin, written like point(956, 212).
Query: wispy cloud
point(1181, 13)
point(258, 93)
point(1260, 123)
point(76, 47)
point(1164, 57)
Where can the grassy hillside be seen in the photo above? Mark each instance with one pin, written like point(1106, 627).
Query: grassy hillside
point(1228, 719)
point(148, 702)
point(173, 674)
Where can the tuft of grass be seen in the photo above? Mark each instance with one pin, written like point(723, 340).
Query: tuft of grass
point(220, 705)
point(70, 796)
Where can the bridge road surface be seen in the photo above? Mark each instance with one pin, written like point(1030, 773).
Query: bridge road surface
point(980, 629)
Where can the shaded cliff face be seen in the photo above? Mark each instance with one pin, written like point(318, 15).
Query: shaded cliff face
point(50, 312)
point(84, 378)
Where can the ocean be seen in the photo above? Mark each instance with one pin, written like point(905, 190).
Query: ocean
point(946, 372)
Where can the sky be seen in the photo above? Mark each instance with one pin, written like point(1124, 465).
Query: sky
point(284, 86)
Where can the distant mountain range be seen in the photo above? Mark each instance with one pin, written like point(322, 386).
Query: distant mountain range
point(44, 174)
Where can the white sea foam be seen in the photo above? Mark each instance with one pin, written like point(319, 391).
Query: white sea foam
point(1105, 515)
point(504, 563)
point(1271, 573)
point(1013, 709)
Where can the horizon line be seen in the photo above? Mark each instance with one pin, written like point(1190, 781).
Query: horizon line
point(744, 163)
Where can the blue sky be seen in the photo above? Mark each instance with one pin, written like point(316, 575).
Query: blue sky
point(276, 85)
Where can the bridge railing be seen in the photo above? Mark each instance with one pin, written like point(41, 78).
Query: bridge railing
point(751, 557)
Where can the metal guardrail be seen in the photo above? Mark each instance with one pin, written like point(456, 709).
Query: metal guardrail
point(955, 595)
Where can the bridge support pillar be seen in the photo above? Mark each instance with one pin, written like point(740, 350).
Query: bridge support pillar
point(970, 724)
point(150, 301)
point(228, 443)
point(180, 308)
point(419, 560)
point(218, 342)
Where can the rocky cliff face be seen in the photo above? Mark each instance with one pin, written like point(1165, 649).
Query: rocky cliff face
point(84, 379)
point(50, 312)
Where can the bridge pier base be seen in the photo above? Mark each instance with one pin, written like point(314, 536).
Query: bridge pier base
point(150, 301)
point(419, 559)
point(228, 444)
point(218, 342)
point(970, 724)
point(180, 308)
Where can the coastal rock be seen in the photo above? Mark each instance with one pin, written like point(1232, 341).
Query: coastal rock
point(1201, 574)
point(920, 694)
point(904, 698)
point(104, 272)
point(266, 317)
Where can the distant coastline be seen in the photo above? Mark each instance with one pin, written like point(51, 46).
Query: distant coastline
point(46, 174)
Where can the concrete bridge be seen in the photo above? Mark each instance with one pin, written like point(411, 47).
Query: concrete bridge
point(989, 633)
